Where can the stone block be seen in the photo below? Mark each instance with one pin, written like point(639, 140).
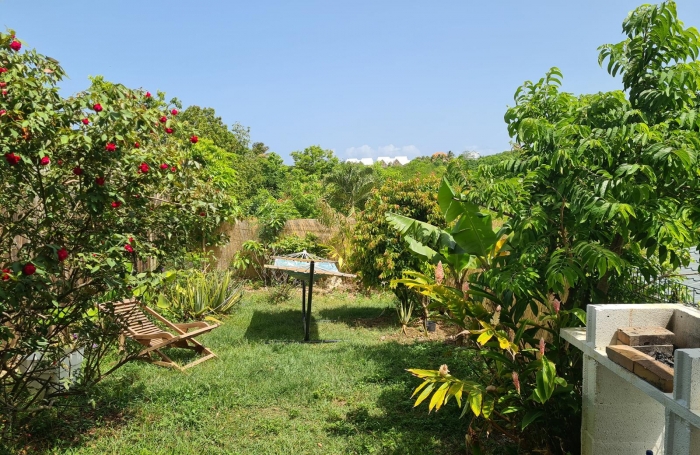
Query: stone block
point(641, 336)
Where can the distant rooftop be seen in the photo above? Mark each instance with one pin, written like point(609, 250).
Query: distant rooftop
point(385, 160)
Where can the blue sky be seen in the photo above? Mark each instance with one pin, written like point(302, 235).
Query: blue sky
point(361, 77)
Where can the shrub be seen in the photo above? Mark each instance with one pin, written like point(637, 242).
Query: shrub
point(201, 295)
point(91, 186)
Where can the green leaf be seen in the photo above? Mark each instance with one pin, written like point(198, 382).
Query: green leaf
point(530, 417)
point(474, 231)
point(475, 399)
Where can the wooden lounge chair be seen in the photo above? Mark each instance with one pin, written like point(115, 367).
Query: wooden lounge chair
point(132, 315)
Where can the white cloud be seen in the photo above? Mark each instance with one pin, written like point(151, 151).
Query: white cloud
point(365, 151)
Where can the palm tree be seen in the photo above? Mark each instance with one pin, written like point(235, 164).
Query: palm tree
point(350, 184)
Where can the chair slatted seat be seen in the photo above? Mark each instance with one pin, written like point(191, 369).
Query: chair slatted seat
point(136, 323)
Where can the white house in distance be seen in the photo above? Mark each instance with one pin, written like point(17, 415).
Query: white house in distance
point(385, 160)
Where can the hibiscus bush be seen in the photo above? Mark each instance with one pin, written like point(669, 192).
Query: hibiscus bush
point(94, 187)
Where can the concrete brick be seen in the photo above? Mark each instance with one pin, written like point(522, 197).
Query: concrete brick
point(642, 336)
point(687, 382)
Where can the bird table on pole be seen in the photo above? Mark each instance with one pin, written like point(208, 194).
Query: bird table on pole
point(307, 268)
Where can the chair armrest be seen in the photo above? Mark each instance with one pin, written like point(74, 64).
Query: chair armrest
point(189, 325)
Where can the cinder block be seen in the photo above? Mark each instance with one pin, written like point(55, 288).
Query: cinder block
point(685, 323)
point(687, 382)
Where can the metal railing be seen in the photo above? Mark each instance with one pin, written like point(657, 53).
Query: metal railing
point(639, 289)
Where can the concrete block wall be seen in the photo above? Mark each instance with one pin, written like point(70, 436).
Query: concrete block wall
point(618, 418)
point(622, 414)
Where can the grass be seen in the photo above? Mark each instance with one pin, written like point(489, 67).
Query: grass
point(265, 396)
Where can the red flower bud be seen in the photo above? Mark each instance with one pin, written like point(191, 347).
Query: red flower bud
point(164, 166)
point(3, 70)
point(3, 84)
point(100, 181)
point(62, 254)
point(2, 112)
point(4, 93)
point(131, 240)
point(29, 269)
point(136, 145)
point(143, 167)
point(85, 121)
point(169, 130)
point(163, 119)
point(12, 159)
point(116, 204)
point(45, 160)
point(129, 248)
point(97, 107)
point(60, 162)
point(202, 214)
point(5, 274)
point(77, 170)
point(174, 112)
point(173, 169)
point(15, 45)
point(194, 139)
point(148, 94)
point(110, 147)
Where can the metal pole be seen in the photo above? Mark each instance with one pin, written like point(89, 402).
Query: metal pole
point(308, 305)
point(303, 303)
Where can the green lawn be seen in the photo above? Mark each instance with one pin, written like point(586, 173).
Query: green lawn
point(262, 396)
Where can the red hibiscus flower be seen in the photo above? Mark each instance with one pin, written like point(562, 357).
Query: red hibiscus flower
point(169, 130)
point(129, 248)
point(143, 167)
point(116, 204)
point(100, 181)
point(110, 147)
point(148, 94)
point(163, 119)
point(136, 145)
point(29, 269)
point(194, 139)
point(12, 159)
point(5, 274)
point(62, 254)
point(174, 112)
point(3, 70)
point(97, 107)
point(164, 166)
point(77, 170)
point(2, 112)
point(85, 121)
point(45, 160)
point(173, 169)
point(15, 45)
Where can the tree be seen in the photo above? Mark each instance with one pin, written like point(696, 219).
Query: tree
point(349, 186)
point(599, 185)
point(90, 185)
point(314, 161)
point(208, 126)
point(380, 254)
